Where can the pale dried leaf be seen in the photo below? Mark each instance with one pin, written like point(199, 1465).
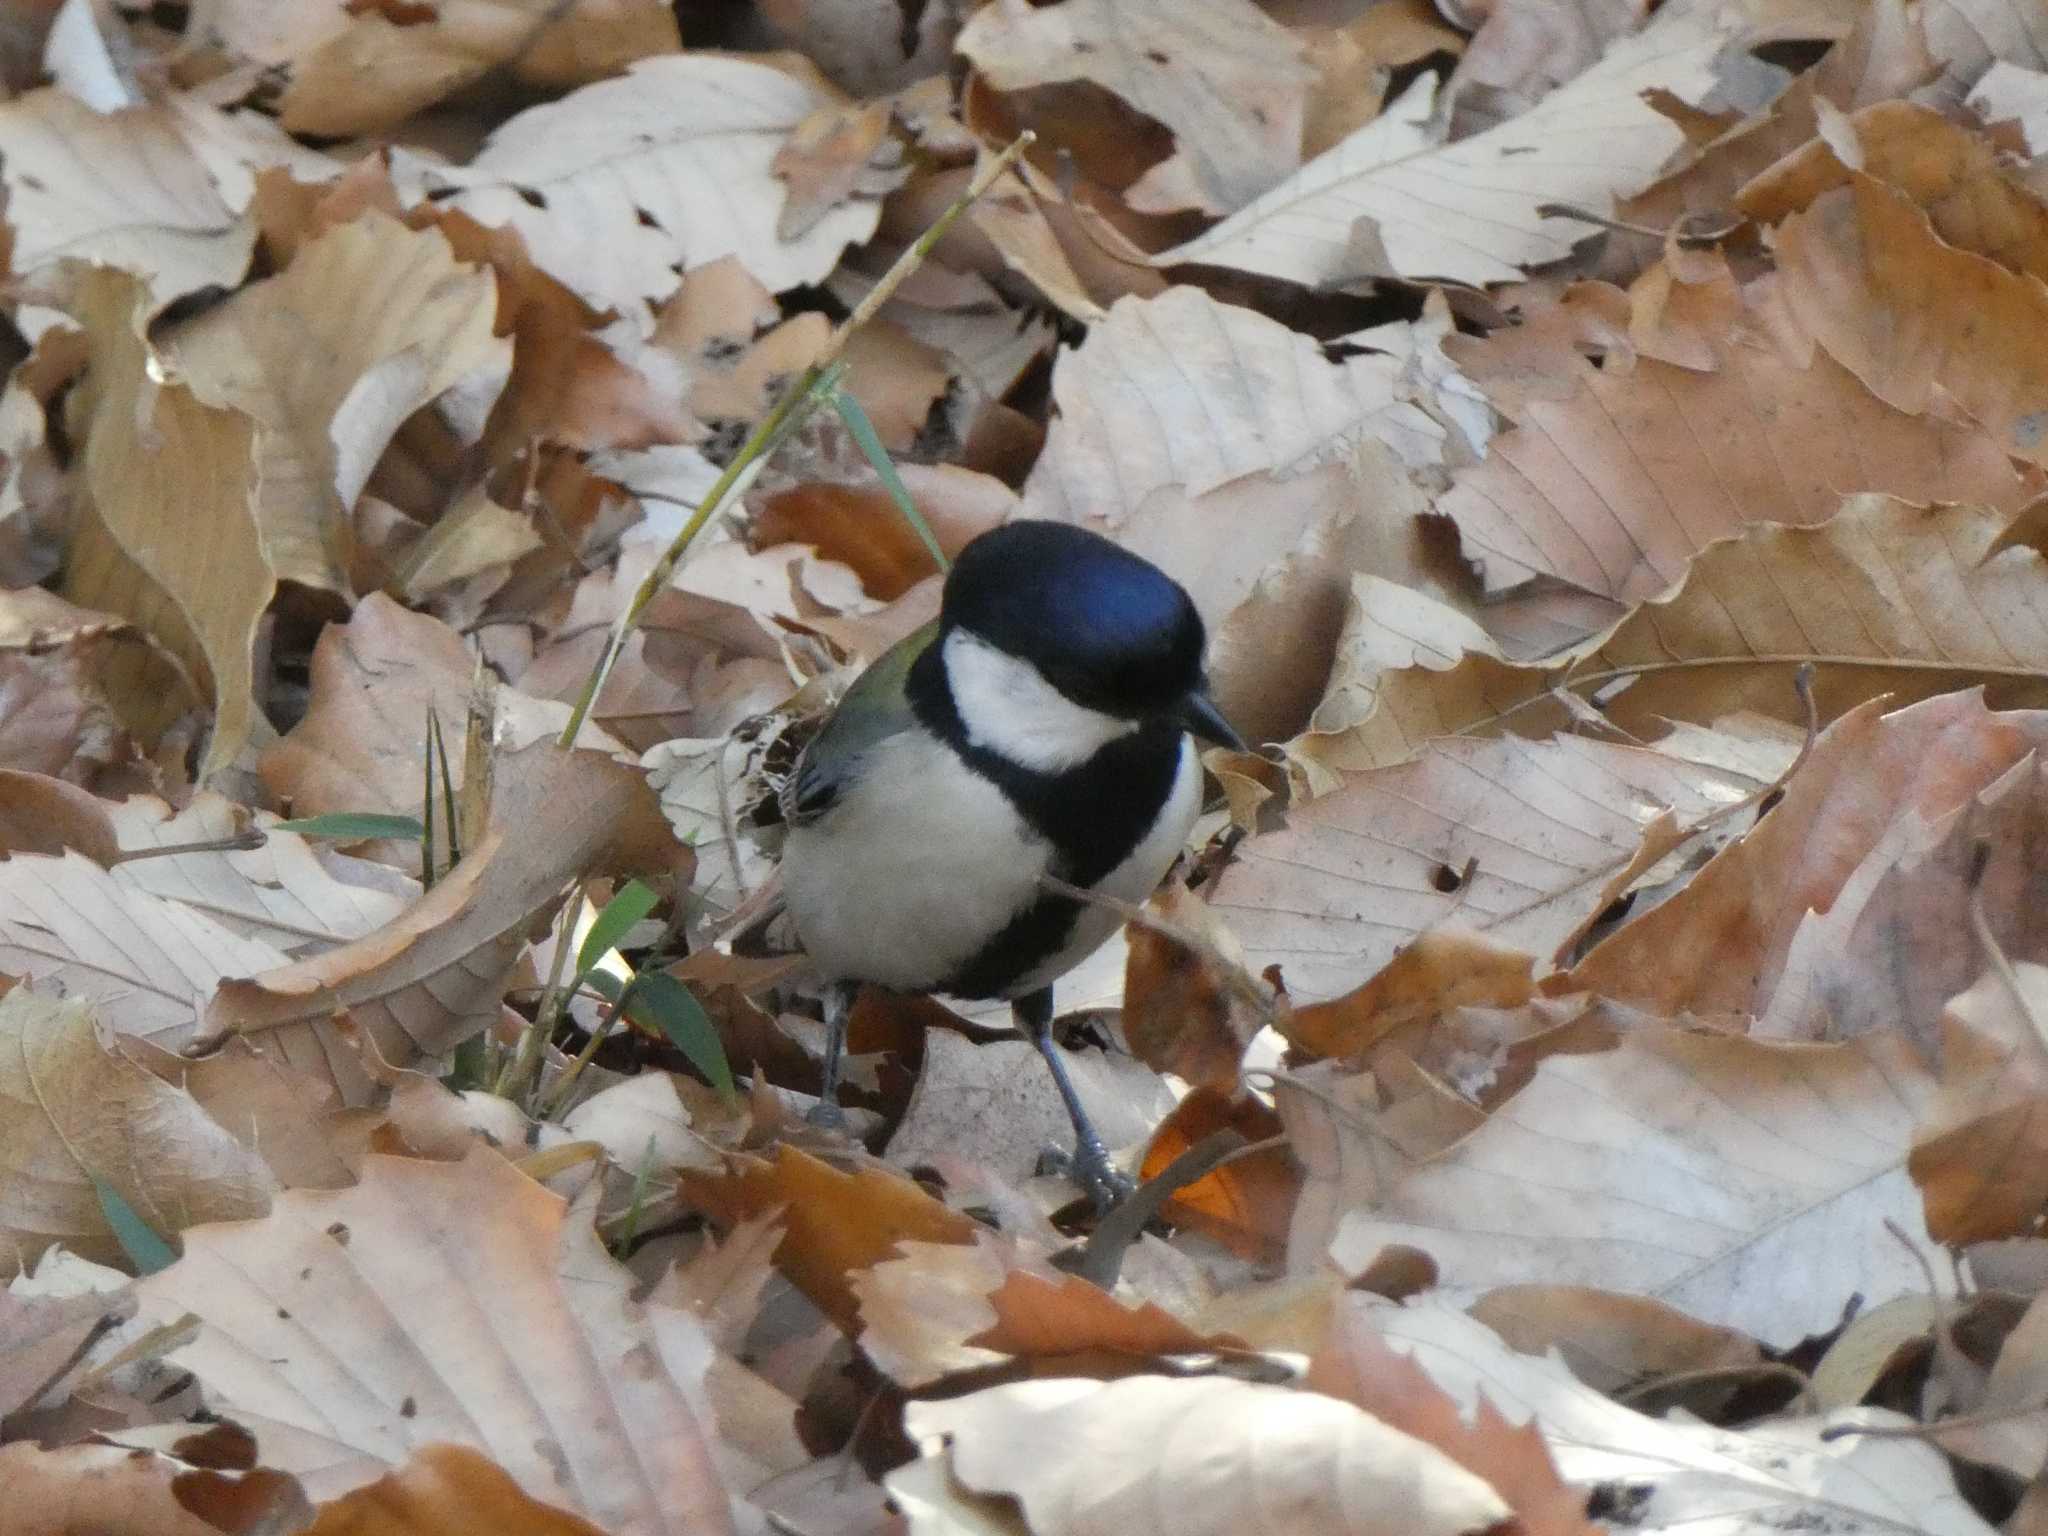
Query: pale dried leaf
point(1393, 200)
point(1229, 81)
point(449, 1302)
point(1183, 391)
point(1555, 829)
point(76, 1113)
point(1746, 1183)
point(1685, 1477)
point(1085, 1458)
point(123, 189)
point(111, 1490)
point(621, 186)
point(149, 964)
point(370, 322)
point(172, 541)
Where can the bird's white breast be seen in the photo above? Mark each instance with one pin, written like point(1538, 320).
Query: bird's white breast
point(913, 870)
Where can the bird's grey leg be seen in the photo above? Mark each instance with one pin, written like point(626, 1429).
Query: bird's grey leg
point(826, 1112)
point(1089, 1165)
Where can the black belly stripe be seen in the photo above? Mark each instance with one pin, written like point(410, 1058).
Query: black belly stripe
point(1093, 816)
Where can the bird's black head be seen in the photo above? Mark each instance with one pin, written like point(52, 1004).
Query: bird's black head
point(1107, 628)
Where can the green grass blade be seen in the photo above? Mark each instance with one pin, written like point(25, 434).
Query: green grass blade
point(631, 902)
point(661, 1002)
point(870, 441)
point(145, 1249)
point(354, 826)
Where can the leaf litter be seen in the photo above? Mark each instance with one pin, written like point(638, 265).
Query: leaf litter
point(1588, 1068)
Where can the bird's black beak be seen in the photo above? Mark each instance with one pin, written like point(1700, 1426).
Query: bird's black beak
point(1200, 716)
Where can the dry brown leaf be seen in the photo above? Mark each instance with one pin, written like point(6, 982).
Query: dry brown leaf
point(446, 1490)
point(1183, 391)
point(109, 1490)
point(1524, 842)
point(1442, 969)
point(1885, 599)
point(42, 1338)
point(434, 975)
point(1720, 948)
point(76, 1113)
point(456, 1303)
point(123, 189)
point(1525, 48)
point(287, 893)
point(1683, 1475)
point(1355, 1365)
point(362, 741)
point(1182, 1013)
point(375, 72)
point(1981, 1157)
point(74, 684)
point(148, 963)
point(1914, 317)
point(1973, 200)
point(866, 47)
point(1616, 488)
point(1245, 1204)
point(621, 186)
point(838, 1223)
point(1394, 200)
point(1354, 60)
point(835, 155)
point(1744, 1182)
point(1229, 81)
point(1085, 1457)
point(172, 540)
point(370, 322)
point(1893, 947)
point(858, 525)
point(1609, 1339)
point(935, 1309)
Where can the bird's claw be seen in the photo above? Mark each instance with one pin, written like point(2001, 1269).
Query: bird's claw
point(1089, 1168)
point(826, 1115)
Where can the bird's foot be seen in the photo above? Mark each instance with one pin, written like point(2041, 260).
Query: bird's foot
point(1088, 1167)
point(826, 1115)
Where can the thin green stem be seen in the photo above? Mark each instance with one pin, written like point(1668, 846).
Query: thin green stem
point(513, 1081)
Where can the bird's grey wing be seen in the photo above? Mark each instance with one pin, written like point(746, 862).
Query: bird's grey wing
point(875, 708)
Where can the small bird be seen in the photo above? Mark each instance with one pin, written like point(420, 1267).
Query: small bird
point(1040, 727)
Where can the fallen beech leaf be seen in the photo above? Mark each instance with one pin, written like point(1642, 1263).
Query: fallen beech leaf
point(370, 322)
point(1393, 200)
point(669, 164)
point(1229, 81)
point(1864, 272)
point(838, 1223)
point(1247, 1203)
point(1520, 842)
point(286, 892)
point(362, 741)
point(434, 975)
point(113, 1491)
point(1617, 487)
point(43, 1337)
point(456, 1303)
point(446, 1490)
point(122, 189)
point(1184, 1011)
point(77, 683)
point(1744, 1182)
point(1721, 947)
point(76, 1114)
point(1355, 1365)
point(1183, 391)
point(1610, 1340)
point(858, 525)
point(1972, 199)
point(147, 962)
point(1682, 1475)
point(373, 72)
point(1091, 1457)
point(936, 1309)
point(1981, 1155)
point(1913, 608)
point(173, 541)
point(1442, 969)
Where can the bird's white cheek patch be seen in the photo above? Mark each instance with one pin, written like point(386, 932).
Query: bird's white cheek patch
point(1007, 708)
